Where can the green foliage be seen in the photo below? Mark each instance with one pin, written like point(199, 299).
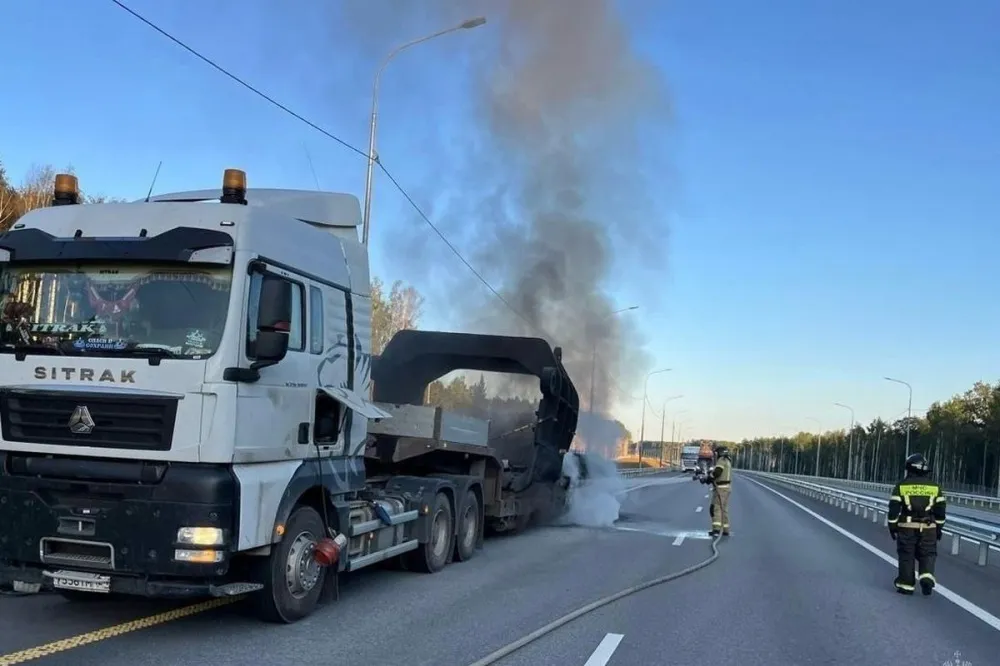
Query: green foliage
point(960, 436)
point(392, 312)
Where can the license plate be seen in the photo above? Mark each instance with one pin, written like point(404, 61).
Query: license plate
point(79, 580)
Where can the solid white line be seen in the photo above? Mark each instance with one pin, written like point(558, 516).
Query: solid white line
point(697, 509)
point(602, 655)
point(679, 540)
point(953, 597)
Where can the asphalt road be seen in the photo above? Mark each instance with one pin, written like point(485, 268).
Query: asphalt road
point(786, 589)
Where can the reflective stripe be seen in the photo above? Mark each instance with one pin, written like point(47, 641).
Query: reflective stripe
point(893, 520)
point(917, 526)
point(940, 522)
point(939, 499)
point(904, 586)
point(895, 498)
point(927, 576)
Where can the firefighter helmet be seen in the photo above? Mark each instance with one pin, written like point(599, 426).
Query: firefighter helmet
point(917, 464)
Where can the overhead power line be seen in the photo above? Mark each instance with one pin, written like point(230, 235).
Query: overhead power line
point(330, 135)
point(342, 142)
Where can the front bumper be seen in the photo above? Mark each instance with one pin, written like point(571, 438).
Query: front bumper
point(117, 519)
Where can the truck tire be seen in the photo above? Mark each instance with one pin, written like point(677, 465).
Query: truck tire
point(434, 555)
point(292, 580)
point(469, 528)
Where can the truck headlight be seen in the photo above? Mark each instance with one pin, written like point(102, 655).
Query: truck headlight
point(199, 556)
point(200, 536)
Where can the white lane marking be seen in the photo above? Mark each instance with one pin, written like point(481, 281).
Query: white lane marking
point(706, 496)
point(679, 540)
point(953, 597)
point(664, 532)
point(602, 655)
point(697, 509)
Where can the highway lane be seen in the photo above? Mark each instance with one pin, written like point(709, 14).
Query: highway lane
point(515, 585)
point(788, 589)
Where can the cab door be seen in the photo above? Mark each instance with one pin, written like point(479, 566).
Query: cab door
point(274, 413)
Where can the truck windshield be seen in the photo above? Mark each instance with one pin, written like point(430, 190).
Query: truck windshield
point(113, 309)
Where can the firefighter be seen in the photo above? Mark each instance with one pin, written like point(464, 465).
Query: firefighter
point(720, 476)
point(916, 518)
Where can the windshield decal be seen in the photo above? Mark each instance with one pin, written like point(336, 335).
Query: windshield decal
point(99, 343)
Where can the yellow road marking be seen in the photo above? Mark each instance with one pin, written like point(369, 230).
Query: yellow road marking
point(98, 635)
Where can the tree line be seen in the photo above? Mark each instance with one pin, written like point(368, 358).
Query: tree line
point(33, 191)
point(960, 437)
point(394, 308)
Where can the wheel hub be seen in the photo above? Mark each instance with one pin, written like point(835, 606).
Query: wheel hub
point(301, 570)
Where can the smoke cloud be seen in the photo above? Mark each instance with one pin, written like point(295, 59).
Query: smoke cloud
point(593, 501)
point(544, 175)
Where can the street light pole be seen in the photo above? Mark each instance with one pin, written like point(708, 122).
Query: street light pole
point(850, 446)
point(366, 218)
point(909, 410)
point(663, 422)
point(642, 423)
point(593, 358)
point(819, 444)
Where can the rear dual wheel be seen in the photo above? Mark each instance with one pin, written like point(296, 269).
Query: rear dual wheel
point(469, 528)
point(434, 555)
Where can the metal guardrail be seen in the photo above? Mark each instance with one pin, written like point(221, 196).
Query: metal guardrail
point(985, 535)
point(964, 499)
point(646, 471)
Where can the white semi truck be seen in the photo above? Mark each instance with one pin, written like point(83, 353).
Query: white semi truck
point(689, 458)
point(190, 407)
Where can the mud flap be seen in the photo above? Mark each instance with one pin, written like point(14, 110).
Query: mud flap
point(331, 586)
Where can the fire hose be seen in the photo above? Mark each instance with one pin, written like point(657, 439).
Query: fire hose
point(510, 648)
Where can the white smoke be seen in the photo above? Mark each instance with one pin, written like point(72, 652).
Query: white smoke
point(593, 501)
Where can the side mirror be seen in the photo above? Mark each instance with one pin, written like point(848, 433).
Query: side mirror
point(275, 307)
point(274, 320)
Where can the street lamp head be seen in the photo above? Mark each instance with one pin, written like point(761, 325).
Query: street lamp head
point(473, 23)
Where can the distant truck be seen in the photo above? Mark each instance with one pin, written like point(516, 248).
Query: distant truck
point(188, 408)
point(689, 459)
point(706, 459)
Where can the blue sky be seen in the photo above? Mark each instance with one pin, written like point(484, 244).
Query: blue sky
point(834, 193)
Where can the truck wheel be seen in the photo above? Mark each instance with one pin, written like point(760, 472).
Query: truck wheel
point(293, 582)
point(433, 556)
point(468, 529)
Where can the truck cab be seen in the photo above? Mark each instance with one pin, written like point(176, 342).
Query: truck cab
point(185, 407)
point(689, 459)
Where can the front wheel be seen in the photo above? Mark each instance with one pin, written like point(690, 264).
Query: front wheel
point(293, 581)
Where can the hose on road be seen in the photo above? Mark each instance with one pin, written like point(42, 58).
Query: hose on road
point(510, 648)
